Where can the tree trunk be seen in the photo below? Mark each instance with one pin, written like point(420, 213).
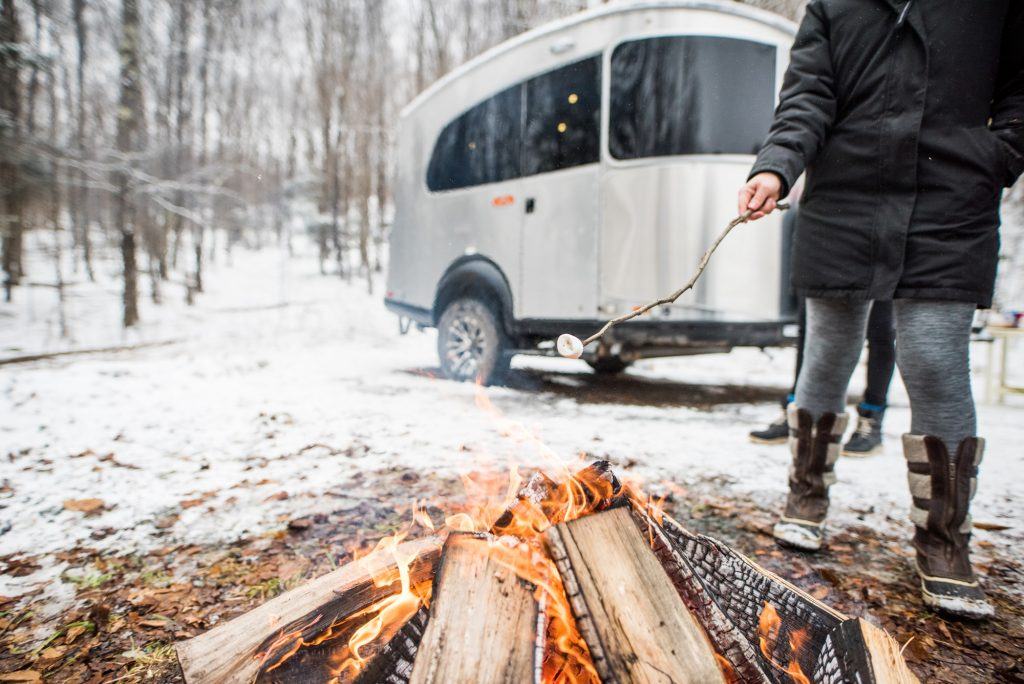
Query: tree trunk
point(11, 198)
point(79, 197)
point(129, 140)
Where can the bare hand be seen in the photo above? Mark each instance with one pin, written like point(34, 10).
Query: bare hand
point(760, 195)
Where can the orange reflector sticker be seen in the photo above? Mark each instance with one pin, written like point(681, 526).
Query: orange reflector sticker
point(503, 200)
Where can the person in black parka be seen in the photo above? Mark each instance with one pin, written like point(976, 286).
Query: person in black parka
point(908, 118)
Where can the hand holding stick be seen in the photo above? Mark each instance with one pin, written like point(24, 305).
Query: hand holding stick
point(572, 347)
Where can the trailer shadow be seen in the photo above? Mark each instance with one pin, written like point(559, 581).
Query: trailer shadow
point(627, 389)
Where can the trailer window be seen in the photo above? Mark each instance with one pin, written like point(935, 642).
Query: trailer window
point(690, 95)
point(563, 118)
point(481, 146)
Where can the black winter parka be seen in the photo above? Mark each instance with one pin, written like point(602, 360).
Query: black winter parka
point(909, 120)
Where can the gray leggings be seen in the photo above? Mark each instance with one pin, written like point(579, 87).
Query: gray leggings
point(932, 352)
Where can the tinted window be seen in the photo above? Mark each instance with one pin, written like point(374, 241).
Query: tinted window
point(690, 95)
point(481, 146)
point(563, 118)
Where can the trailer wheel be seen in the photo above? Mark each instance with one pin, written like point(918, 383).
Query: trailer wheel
point(471, 343)
point(608, 365)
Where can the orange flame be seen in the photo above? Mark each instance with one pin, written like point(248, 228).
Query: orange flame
point(515, 512)
point(768, 628)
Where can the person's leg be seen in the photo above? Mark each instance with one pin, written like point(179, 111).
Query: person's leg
point(942, 449)
point(881, 355)
point(867, 438)
point(801, 336)
point(835, 337)
point(778, 431)
point(817, 420)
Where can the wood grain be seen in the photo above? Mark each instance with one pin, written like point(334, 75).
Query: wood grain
point(636, 625)
point(483, 621)
point(227, 654)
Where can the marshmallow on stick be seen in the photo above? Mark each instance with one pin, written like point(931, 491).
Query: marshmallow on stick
point(572, 347)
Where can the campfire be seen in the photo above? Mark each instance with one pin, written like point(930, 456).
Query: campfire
point(568, 576)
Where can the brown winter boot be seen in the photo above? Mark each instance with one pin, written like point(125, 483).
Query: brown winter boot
point(942, 488)
point(815, 449)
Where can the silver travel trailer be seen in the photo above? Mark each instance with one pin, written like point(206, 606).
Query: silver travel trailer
point(580, 170)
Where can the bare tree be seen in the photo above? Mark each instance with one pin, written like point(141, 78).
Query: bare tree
point(11, 210)
point(130, 136)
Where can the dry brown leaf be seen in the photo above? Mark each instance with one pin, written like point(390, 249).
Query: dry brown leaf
point(73, 633)
point(990, 526)
point(51, 653)
point(30, 676)
point(87, 506)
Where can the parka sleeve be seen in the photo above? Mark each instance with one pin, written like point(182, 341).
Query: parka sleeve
point(1008, 103)
point(807, 103)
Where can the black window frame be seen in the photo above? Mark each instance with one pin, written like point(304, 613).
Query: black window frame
point(768, 94)
point(523, 87)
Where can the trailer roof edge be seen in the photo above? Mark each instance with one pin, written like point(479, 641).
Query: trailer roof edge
point(723, 6)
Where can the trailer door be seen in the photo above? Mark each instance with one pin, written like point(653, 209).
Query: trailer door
point(561, 150)
point(686, 113)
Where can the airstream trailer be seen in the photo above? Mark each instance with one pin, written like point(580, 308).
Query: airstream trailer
point(581, 169)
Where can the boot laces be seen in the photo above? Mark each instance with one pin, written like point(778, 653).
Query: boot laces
point(865, 426)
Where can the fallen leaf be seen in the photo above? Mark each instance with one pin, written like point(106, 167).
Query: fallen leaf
point(22, 676)
point(87, 506)
point(73, 633)
point(819, 592)
point(280, 496)
point(990, 526)
point(299, 524)
point(51, 653)
point(159, 624)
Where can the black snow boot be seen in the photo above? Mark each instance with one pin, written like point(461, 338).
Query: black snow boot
point(942, 488)
point(776, 433)
point(815, 449)
point(867, 438)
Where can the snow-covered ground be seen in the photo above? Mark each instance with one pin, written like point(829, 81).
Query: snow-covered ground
point(281, 385)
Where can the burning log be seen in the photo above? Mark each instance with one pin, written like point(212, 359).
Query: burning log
point(634, 622)
point(651, 600)
point(393, 664)
point(234, 653)
point(483, 621)
point(857, 651)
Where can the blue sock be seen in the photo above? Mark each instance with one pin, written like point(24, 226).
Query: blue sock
point(870, 407)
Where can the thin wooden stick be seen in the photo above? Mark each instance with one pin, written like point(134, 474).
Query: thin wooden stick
point(742, 218)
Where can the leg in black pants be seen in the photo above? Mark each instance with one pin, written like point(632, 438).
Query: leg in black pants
point(881, 338)
point(778, 432)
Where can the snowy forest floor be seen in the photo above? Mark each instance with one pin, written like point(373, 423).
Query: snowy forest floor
point(147, 495)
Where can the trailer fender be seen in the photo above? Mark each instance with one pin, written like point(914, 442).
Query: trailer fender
point(478, 277)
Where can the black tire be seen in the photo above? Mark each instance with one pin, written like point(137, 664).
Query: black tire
point(609, 365)
point(471, 343)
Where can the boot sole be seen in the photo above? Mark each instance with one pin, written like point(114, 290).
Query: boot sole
point(959, 607)
point(762, 440)
point(795, 536)
point(953, 605)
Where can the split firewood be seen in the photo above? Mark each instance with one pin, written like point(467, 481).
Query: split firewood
point(741, 589)
point(394, 662)
point(857, 651)
point(233, 652)
point(738, 655)
point(483, 620)
point(635, 624)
